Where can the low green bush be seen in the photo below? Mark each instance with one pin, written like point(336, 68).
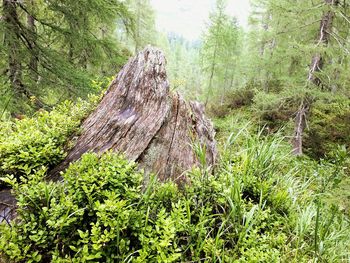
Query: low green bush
point(103, 213)
point(258, 207)
point(32, 142)
point(329, 125)
point(261, 204)
point(233, 99)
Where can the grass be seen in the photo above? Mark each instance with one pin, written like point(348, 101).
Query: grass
point(262, 204)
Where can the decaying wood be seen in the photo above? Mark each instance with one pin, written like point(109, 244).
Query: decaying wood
point(315, 66)
point(140, 118)
point(7, 206)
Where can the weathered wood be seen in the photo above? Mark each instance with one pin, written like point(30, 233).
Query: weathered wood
point(140, 118)
point(7, 206)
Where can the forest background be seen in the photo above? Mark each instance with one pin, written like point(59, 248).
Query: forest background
point(283, 75)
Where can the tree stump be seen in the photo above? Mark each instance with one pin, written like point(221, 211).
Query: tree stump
point(7, 206)
point(139, 117)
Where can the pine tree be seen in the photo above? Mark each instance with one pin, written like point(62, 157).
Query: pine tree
point(220, 48)
point(54, 48)
point(144, 23)
point(183, 68)
point(298, 56)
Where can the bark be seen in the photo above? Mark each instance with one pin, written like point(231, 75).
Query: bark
point(300, 123)
point(11, 26)
point(323, 38)
point(140, 118)
point(315, 66)
point(33, 63)
point(213, 65)
point(7, 206)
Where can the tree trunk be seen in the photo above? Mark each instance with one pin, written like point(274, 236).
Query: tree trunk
point(315, 66)
point(33, 63)
point(211, 74)
point(12, 36)
point(140, 118)
point(300, 123)
point(323, 38)
point(223, 94)
point(12, 44)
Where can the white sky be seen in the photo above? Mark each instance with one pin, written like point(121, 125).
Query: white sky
point(188, 17)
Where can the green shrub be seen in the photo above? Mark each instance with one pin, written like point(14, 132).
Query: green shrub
point(102, 213)
point(87, 217)
point(233, 99)
point(262, 205)
point(329, 126)
point(30, 143)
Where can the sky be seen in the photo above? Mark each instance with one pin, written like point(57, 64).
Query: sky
point(189, 17)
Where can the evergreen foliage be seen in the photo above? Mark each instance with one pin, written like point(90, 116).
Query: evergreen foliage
point(52, 49)
point(144, 26)
point(30, 143)
point(291, 65)
point(220, 50)
point(260, 203)
point(183, 59)
point(286, 37)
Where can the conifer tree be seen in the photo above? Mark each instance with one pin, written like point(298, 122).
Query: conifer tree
point(183, 64)
point(53, 48)
point(220, 47)
point(144, 23)
point(298, 56)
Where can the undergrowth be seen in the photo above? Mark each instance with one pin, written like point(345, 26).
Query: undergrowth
point(261, 205)
point(29, 143)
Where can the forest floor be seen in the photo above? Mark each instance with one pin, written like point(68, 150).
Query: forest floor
point(244, 119)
